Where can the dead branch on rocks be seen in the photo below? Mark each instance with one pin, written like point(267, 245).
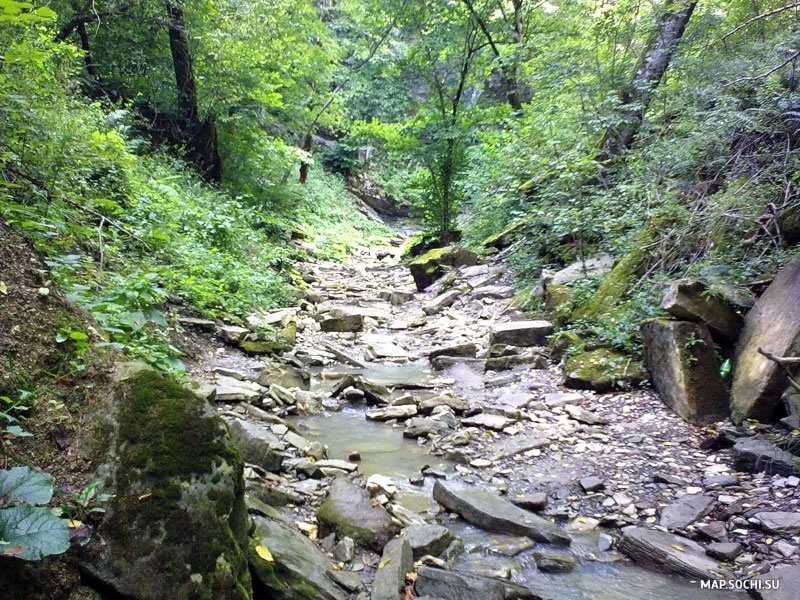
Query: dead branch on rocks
point(786, 362)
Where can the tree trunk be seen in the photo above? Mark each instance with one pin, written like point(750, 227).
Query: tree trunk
point(200, 136)
point(647, 75)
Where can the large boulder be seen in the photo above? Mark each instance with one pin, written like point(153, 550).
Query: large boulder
point(177, 525)
point(257, 445)
point(597, 265)
point(390, 578)
point(522, 333)
point(454, 585)
point(602, 370)
point(774, 325)
point(684, 369)
point(757, 454)
point(349, 511)
point(287, 565)
point(488, 511)
point(691, 299)
point(433, 264)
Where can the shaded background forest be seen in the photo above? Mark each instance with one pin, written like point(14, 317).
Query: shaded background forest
point(169, 151)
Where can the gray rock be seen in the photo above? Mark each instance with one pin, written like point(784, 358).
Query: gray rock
point(335, 463)
point(517, 445)
point(424, 427)
point(257, 445)
point(726, 551)
point(433, 264)
point(390, 577)
point(671, 553)
point(554, 561)
point(284, 375)
point(522, 333)
point(427, 539)
point(459, 405)
point(584, 416)
point(489, 421)
point(233, 334)
point(374, 393)
point(556, 399)
point(692, 300)
point(685, 511)
point(453, 585)
point(345, 550)
point(592, 484)
point(715, 531)
point(774, 325)
point(499, 292)
point(598, 265)
point(468, 349)
point(788, 577)
point(756, 454)
point(301, 565)
point(396, 298)
point(605, 542)
point(349, 511)
point(349, 580)
point(488, 511)
point(236, 393)
point(717, 481)
point(401, 412)
point(536, 501)
point(684, 369)
point(204, 324)
point(443, 362)
point(352, 322)
point(780, 522)
point(441, 302)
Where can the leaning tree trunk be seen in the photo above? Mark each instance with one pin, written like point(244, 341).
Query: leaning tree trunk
point(649, 71)
point(199, 136)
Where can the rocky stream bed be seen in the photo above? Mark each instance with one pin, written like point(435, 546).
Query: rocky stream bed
point(424, 444)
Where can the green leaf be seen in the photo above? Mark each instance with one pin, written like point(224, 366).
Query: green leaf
point(17, 431)
point(31, 532)
point(23, 484)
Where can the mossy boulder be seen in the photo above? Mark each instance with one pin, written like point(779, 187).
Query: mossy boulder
point(558, 301)
point(602, 370)
point(563, 341)
point(503, 239)
point(177, 526)
point(619, 280)
point(433, 264)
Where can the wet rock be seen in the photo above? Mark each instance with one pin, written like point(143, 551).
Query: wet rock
point(554, 561)
point(349, 580)
point(374, 393)
point(454, 585)
point(692, 300)
point(433, 264)
point(592, 484)
point(333, 463)
point(684, 369)
point(400, 413)
point(427, 539)
point(522, 333)
point(444, 362)
point(469, 349)
point(343, 323)
point(717, 481)
point(458, 405)
point(380, 484)
point(258, 446)
point(349, 511)
point(556, 399)
point(756, 454)
point(671, 553)
point(535, 501)
point(284, 375)
point(488, 421)
point(504, 363)
point(726, 551)
point(297, 569)
point(605, 542)
point(780, 522)
point(685, 511)
point(488, 511)
point(774, 325)
point(424, 427)
point(236, 393)
point(602, 370)
point(390, 578)
point(788, 577)
point(258, 347)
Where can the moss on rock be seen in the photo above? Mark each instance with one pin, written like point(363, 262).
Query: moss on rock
point(177, 527)
point(602, 370)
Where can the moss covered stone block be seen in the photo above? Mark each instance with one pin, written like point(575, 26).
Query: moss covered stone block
point(177, 526)
point(602, 370)
point(433, 264)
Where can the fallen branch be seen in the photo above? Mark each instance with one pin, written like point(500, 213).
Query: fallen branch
point(763, 75)
point(786, 362)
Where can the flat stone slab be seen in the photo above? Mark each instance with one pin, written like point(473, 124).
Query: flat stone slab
point(789, 577)
point(454, 585)
point(556, 399)
point(488, 511)
point(517, 445)
point(489, 421)
point(522, 333)
point(584, 416)
point(692, 300)
point(598, 265)
point(401, 412)
point(780, 522)
point(685, 511)
point(757, 454)
point(671, 553)
point(468, 349)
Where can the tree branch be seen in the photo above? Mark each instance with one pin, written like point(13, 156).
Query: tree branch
point(769, 13)
point(785, 362)
point(78, 20)
point(794, 56)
